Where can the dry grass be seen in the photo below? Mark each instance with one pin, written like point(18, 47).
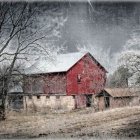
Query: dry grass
point(115, 122)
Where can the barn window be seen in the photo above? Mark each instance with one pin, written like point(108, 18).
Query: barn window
point(30, 97)
point(47, 97)
point(79, 78)
point(57, 97)
point(38, 97)
point(73, 96)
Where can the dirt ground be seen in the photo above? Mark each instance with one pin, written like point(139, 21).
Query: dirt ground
point(121, 122)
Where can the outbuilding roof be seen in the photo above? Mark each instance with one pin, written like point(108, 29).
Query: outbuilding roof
point(61, 63)
point(123, 92)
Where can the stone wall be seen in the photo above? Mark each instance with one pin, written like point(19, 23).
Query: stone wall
point(44, 103)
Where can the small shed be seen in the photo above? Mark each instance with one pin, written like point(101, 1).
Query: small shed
point(118, 97)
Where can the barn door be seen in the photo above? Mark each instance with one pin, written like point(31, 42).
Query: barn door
point(80, 101)
point(88, 100)
point(107, 101)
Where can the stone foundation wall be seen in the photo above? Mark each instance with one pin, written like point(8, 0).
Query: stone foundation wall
point(44, 103)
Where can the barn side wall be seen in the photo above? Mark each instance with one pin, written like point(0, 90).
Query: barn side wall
point(45, 103)
point(85, 77)
point(135, 101)
point(120, 102)
point(117, 102)
point(47, 84)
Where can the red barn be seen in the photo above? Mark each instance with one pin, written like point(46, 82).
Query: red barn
point(78, 75)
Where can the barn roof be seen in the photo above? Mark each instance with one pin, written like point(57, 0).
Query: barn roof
point(123, 92)
point(61, 63)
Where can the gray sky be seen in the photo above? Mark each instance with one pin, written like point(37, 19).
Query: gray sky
point(106, 25)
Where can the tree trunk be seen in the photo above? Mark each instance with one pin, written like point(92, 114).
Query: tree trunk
point(6, 81)
point(4, 95)
point(3, 108)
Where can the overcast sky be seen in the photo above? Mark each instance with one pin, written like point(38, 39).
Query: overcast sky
point(104, 26)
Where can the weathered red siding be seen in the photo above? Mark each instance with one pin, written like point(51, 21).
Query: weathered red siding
point(92, 77)
point(46, 84)
point(55, 84)
point(85, 77)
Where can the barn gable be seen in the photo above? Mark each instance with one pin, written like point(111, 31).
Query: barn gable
point(97, 62)
point(85, 77)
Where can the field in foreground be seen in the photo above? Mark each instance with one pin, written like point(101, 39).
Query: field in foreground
point(121, 122)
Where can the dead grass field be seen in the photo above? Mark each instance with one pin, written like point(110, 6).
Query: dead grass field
point(79, 123)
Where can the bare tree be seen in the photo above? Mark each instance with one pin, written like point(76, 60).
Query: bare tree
point(19, 40)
